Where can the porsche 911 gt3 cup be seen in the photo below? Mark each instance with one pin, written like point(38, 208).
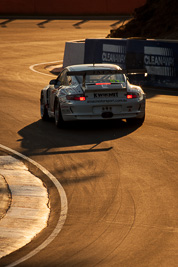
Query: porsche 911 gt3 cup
point(93, 92)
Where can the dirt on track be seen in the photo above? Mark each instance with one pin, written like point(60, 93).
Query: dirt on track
point(156, 19)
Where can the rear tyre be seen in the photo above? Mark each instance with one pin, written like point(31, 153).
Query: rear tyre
point(58, 115)
point(43, 109)
point(136, 121)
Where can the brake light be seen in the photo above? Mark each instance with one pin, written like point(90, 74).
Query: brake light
point(130, 96)
point(102, 83)
point(76, 97)
point(80, 98)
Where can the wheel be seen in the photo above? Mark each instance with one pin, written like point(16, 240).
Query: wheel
point(136, 121)
point(43, 109)
point(58, 115)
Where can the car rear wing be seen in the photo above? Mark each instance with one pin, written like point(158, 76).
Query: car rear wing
point(105, 72)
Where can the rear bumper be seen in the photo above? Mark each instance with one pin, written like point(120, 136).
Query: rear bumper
point(106, 112)
point(71, 117)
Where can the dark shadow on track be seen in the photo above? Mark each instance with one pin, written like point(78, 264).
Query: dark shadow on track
point(41, 24)
point(40, 137)
point(4, 23)
point(77, 25)
point(121, 21)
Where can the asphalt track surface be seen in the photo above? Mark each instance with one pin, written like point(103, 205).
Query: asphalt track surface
point(121, 181)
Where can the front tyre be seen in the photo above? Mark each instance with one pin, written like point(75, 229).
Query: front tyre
point(58, 115)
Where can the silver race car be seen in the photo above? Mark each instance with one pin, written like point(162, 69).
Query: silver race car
point(93, 92)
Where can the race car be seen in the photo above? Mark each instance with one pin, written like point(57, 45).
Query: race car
point(93, 92)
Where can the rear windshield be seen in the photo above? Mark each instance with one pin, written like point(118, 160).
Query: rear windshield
point(98, 79)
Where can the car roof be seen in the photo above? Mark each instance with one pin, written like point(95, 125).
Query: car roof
point(84, 67)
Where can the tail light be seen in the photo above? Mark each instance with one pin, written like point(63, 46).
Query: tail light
point(76, 97)
point(102, 83)
point(131, 96)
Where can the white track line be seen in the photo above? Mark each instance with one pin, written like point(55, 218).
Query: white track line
point(34, 65)
point(64, 207)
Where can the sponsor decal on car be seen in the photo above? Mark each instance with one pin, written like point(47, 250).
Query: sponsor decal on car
point(105, 95)
point(106, 101)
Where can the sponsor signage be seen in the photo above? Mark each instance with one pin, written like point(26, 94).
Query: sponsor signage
point(111, 51)
point(159, 61)
point(159, 58)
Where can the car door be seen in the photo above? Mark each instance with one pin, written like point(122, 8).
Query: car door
point(61, 80)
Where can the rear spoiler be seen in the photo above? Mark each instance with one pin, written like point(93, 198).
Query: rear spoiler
point(105, 72)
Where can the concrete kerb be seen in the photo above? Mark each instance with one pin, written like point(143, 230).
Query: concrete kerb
point(24, 204)
point(5, 193)
point(5, 197)
point(32, 214)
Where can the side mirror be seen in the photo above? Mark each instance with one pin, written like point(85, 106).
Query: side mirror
point(53, 82)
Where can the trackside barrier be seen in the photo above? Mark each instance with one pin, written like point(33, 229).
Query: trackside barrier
point(71, 7)
point(74, 53)
point(105, 51)
point(160, 58)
